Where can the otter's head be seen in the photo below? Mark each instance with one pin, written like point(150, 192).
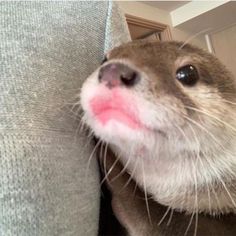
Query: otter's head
point(169, 114)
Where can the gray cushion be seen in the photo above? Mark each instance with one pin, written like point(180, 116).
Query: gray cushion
point(47, 50)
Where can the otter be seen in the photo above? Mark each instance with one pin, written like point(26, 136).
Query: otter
point(167, 112)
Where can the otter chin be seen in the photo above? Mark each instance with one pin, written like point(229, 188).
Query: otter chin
point(169, 113)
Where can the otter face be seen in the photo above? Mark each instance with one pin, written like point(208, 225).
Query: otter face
point(169, 114)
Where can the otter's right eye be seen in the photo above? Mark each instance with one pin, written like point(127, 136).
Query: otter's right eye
point(187, 75)
point(104, 60)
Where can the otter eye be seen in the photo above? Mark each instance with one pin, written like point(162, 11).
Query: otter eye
point(187, 75)
point(104, 60)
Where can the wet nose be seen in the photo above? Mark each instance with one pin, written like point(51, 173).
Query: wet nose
point(117, 74)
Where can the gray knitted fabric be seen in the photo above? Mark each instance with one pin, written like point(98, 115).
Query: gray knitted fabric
point(47, 49)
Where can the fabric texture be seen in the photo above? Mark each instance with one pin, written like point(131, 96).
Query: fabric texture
point(47, 49)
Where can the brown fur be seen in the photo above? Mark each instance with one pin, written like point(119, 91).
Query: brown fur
point(130, 208)
point(160, 61)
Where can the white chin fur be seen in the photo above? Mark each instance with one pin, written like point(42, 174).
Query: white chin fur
point(114, 132)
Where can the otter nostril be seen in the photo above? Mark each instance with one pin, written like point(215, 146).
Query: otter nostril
point(129, 79)
point(118, 74)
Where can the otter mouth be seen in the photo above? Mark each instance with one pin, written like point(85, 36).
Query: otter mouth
point(106, 110)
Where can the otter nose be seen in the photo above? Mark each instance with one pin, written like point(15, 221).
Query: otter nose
point(117, 74)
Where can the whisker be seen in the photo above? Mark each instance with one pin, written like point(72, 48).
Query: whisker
point(199, 158)
point(170, 218)
point(207, 114)
point(123, 170)
point(194, 36)
point(227, 191)
point(196, 224)
point(104, 159)
point(90, 158)
point(208, 133)
point(131, 176)
point(196, 193)
point(223, 184)
point(216, 197)
point(227, 101)
point(189, 224)
point(218, 144)
point(164, 216)
point(109, 171)
point(135, 188)
point(145, 193)
point(101, 152)
point(195, 187)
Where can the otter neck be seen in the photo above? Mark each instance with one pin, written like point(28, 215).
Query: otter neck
point(189, 183)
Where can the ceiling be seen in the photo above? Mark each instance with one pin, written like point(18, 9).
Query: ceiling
point(212, 20)
point(166, 5)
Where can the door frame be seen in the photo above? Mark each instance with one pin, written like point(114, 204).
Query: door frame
point(162, 28)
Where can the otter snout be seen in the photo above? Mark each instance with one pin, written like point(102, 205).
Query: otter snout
point(118, 74)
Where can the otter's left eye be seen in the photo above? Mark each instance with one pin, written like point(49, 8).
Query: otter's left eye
point(187, 75)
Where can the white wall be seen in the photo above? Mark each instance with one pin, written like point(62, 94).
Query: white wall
point(182, 35)
point(152, 13)
point(223, 43)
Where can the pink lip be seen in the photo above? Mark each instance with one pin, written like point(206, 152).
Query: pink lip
point(107, 109)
